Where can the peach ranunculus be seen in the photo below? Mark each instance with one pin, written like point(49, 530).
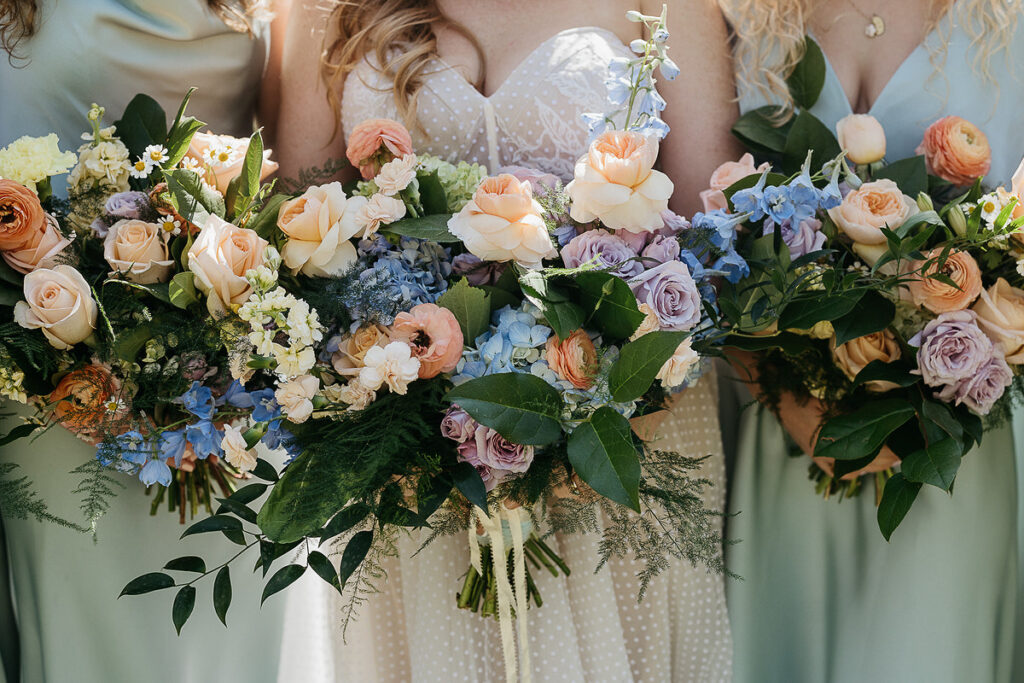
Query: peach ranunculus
point(939, 297)
point(573, 360)
point(503, 222)
point(856, 354)
point(615, 182)
point(375, 142)
point(434, 335)
point(862, 138)
point(726, 175)
point(138, 249)
point(22, 218)
point(348, 359)
point(1000, 312)
point(319, 225)
point(43, 253)
point(221, 157)
point(956, 150)
point(83, 399)
point(873, 206)
point(220, 258)
point(58, 301)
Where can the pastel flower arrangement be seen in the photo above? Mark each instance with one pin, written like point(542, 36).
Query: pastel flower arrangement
point(895, 299)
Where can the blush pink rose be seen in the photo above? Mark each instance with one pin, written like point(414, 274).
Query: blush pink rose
point(220, 258)
point(375, 142)
point(58, 301)
point(726, 175)
point(434, 336)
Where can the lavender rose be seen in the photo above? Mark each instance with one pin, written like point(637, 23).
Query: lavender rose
point(980, 391)
point(499, 454)
point(802, 239)
point(129, 205)
point(477, 271)
point(662, 249)
point(952, 348)
point(634, 240)
point(457, 425)
point(468, 452)
point(608, 250)
point(674, 224)
point(670, 291)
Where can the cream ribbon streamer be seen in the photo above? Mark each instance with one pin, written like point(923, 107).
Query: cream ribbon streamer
point(492, 526)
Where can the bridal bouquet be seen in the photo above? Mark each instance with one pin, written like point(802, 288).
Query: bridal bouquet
point(108, 337)
point(481, 344)
point(890, 291)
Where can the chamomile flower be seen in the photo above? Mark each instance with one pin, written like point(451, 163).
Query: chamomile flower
point(221, 154)
point(141, 168)
point(170, 225)
point(990, 207)
point(156, 154)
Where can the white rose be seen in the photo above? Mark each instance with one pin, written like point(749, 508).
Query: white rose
point(138, 249)
point(319, 225)
point(296, 397)
point(59, 302)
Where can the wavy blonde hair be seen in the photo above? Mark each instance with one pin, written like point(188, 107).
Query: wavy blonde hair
point(769, 37)
point(374, 28)
point(18, 19)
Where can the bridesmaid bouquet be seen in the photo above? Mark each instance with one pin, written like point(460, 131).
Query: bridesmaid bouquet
point(105, 337)
point(890, 291)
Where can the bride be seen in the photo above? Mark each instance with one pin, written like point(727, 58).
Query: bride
point(505, 83)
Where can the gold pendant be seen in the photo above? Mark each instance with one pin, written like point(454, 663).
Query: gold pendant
point(875, 28)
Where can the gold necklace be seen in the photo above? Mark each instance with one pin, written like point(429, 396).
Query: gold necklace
point(876, 25)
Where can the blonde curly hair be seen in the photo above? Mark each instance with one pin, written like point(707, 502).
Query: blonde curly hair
point(768, 39)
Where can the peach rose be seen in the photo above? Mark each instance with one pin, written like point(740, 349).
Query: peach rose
point(319, 225)
point(42, 253)
point(138, 249)
point(222, 158)
point(219, 258)
point(956, 150)
point(503, 222)
point(856, 354)
point(1000, 312)
point(348, 359)
point(862, 137)
point(725, 176)
point(573, 360)
point(434, 335)
point(873, 206)
point(615, 183)
point(82, 398)
point(939, 297)
point(1017, 184)
point(374, 142)
point(58, 301)
point(22, 218)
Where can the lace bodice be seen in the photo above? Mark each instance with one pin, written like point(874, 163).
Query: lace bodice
point(532, 120)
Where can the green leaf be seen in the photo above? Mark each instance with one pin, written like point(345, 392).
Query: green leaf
point(128, 344)
point(469, 484)
point(270, 551)
point(355, 553)
point(284, 577)
point(758, 132)
point(639, 363)
point(936, 465)
point(222, 594)
point(910, 174)
point(751, 180)
point(522, 408)
point(278, 518)
point(265, 471)
point(265, 222)
point(611, 302)
point(862, 432)
point(143, 123)
point(248, 494)
point(11, 276)
point(238, 508)
point(805, 313)
point(324, 569)
point(192, 198)
point(809, 134)
point(214, 523)
point(252, 167)
point(184, 603)
point(808, 77)
point(602, 452)
point(159, 290)
point(789, 343)
point(497, 297)
point(20, 432)
point(564, 316)
point(432, 195)
point(470, 306)
point(897, 497)
point(872, 313)
point(147, 583)
point(190, 563)
point(877, 371)
point(432, 227)
point(345, 520)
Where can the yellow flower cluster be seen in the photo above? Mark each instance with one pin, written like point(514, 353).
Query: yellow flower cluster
point(30, 160)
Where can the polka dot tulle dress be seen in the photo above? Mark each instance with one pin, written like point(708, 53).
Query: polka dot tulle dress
point(591, 627)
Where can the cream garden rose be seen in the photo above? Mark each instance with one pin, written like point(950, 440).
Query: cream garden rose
point(863, 138)
point(854, 356)
point(139, 250)
point(616, 183)
point(219, 259)
point(220, 158)
point(59, 302)
point(875, 205)
point(1000, 311)
point(396, 175)
point(319, 225)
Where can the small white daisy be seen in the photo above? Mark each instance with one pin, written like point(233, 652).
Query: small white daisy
point(170, 225)
point(990, 207)
point(220, 155)
point(141, 168)
point(156, 154)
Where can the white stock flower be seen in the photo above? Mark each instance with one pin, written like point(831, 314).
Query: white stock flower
point(674, 371)
point(396, 175)
point(294, 360)
point(236, 451)
point(379, 210)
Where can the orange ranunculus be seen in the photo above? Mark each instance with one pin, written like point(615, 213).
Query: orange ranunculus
point(375, 142)
point(574, 360)
point(434, 336)
point(22, 218)
point(939, 297)
point(82, 399)
point(956, 150)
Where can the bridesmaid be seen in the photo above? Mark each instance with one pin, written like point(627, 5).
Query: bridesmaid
point(824, 597)
point(65, 54)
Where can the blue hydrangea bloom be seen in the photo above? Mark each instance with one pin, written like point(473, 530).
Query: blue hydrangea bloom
point(414, 272)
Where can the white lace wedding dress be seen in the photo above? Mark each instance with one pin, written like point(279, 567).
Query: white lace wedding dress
point(591, 627)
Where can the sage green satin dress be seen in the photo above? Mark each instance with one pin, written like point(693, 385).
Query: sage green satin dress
point(72, 627)
point(823, 597)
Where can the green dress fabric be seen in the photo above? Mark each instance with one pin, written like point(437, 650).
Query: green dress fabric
point(823, 597)
point(64, 585)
